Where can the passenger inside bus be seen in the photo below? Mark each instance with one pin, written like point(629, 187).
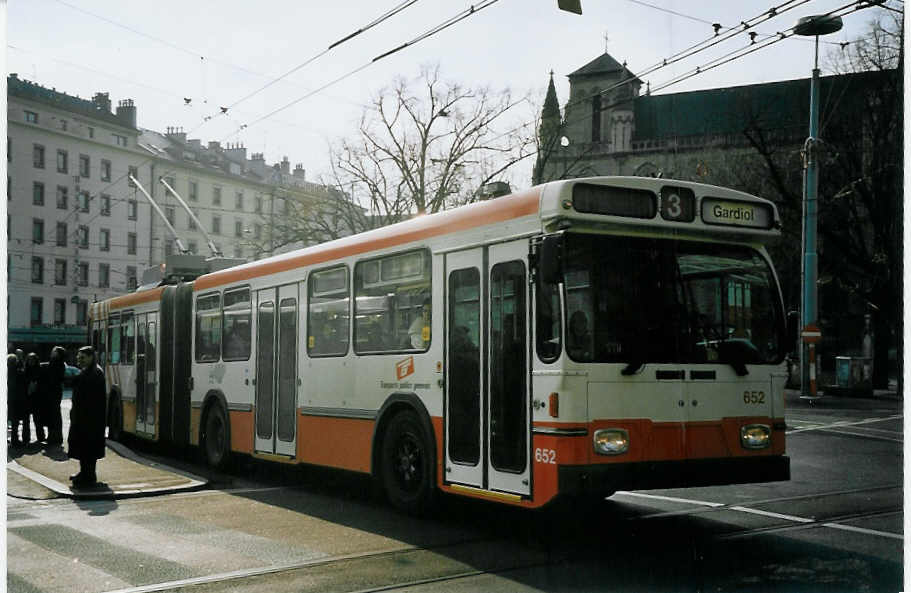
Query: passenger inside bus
point(418, 335)
point(579, 340)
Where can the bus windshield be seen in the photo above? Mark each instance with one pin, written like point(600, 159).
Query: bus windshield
point(635, 300)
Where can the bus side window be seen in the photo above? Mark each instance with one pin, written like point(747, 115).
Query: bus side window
point(208, 328)
point(114, 338)
point(237, 323)
point(327, 313)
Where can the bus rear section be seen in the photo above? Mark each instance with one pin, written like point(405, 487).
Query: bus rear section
point(667, 372)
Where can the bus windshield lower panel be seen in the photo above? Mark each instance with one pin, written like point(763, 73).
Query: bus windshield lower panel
point(635, 301)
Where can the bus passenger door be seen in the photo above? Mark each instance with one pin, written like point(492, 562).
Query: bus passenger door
point(146, 371)
point(508, 388)
point(464, 368)
point(276, 370)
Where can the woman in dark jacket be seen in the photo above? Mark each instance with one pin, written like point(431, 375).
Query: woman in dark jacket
point(87, 418)
point(13, 397)
point(51, 389)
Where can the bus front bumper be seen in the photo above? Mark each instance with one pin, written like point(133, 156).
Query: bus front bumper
point(650, 475)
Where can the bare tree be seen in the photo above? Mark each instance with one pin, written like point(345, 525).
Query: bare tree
point(425, 145)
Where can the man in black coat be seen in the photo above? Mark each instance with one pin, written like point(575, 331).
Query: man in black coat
point(87, 418)
point(51, 389)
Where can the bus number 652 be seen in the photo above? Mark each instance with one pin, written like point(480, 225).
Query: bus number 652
point(753, 397)
point(545, 455)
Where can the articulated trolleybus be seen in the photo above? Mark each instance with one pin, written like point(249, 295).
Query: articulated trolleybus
point(577, 338)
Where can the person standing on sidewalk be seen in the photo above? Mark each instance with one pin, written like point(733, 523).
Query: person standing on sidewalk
point(33, 400)
point(51, 389)
point(87, 418)
point(13, 399)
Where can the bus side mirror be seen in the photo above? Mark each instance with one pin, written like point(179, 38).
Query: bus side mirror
point(792, 329)
point(550, 260)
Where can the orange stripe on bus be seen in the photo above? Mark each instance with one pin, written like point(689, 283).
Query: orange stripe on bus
point(442, 223)
point(335, 442)
point(241, 431)
point(135, 298)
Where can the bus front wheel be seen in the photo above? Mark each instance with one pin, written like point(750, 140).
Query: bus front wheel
point(215, 438)
point(407, 467)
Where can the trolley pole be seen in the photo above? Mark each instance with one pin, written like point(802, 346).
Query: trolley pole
point(810, 333)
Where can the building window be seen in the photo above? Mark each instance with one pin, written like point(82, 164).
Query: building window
point(169, 214)
point(257, 231)
point(60, 272)
point(105, 170)
point(37, 231)
point(84, 165)
point(36, 311)
point(119, 140)
point(216, 224)
point(104, 240)
point(238, 228)
point(239, 201)
point(131, 209)
point(172, 182)
point(9, 188)
point(31, 117)
point(131, 243)
point(191, 246)
point(168, 248)
point(37, 270)
point(258, 206)
point(91, 131)
point(61, 234)
point(59, 311)
point(104, 275)
point(62, 162)
point(191, 224)
point(238, 252)
point(37, 194)
point(83, 201)
point(596, 118)
point(105, 205)
point(62, 197)
point(63, 125)
point(82, 237)
point(134, 172)
point(131, 278)
point(194, 191)
point(82, 278)
point(216, 196)
point(82, 310)
point(38, 156)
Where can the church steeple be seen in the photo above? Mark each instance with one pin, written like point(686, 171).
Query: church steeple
point(549, 130)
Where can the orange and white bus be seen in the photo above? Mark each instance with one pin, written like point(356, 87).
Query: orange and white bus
point(577, 338)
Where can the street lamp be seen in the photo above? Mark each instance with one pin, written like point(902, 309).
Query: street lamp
point(811, 26)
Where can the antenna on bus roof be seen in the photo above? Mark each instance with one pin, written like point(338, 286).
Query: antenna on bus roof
point(212, 247)
point(180, 245)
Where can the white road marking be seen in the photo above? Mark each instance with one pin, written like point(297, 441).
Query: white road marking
point(844, 423)
point(742, 509)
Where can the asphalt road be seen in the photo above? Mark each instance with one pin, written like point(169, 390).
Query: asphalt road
point(836, 526)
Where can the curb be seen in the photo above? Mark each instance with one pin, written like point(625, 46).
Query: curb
point(195, 482)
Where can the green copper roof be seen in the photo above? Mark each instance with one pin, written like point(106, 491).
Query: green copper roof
point(603, 64)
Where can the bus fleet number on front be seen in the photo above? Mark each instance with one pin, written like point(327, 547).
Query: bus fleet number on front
point(545, 455)
point(753, 397)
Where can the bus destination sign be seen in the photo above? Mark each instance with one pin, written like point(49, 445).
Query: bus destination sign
point(733, 213)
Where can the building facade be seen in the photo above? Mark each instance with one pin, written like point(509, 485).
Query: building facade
point(80, 229)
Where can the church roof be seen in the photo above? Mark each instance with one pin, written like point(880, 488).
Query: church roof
point(603, 64)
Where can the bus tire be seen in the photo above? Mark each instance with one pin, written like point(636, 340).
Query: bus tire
point(406, 468)
point(115, 418)
point(215, 439)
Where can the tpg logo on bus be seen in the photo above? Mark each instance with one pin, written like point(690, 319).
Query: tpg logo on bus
point(403, 368)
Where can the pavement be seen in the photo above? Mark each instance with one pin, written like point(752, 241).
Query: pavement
point(122, 473)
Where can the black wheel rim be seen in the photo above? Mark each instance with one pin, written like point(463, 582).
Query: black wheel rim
point(215, 437)
point(407, 463)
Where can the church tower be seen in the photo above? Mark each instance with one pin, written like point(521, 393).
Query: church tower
point(599, 113)
point(549, 132)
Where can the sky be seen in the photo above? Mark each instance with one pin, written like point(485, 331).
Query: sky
point(220, 52)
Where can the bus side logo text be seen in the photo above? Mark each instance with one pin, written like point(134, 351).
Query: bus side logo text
point(403, 368)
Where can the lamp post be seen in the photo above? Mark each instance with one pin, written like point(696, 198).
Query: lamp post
point(811, 26)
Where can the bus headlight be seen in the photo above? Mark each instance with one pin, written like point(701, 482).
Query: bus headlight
point(611, 441)
point(755, 436)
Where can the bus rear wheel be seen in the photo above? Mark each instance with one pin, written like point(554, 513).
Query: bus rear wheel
point(406, 465)
point(215, 438)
